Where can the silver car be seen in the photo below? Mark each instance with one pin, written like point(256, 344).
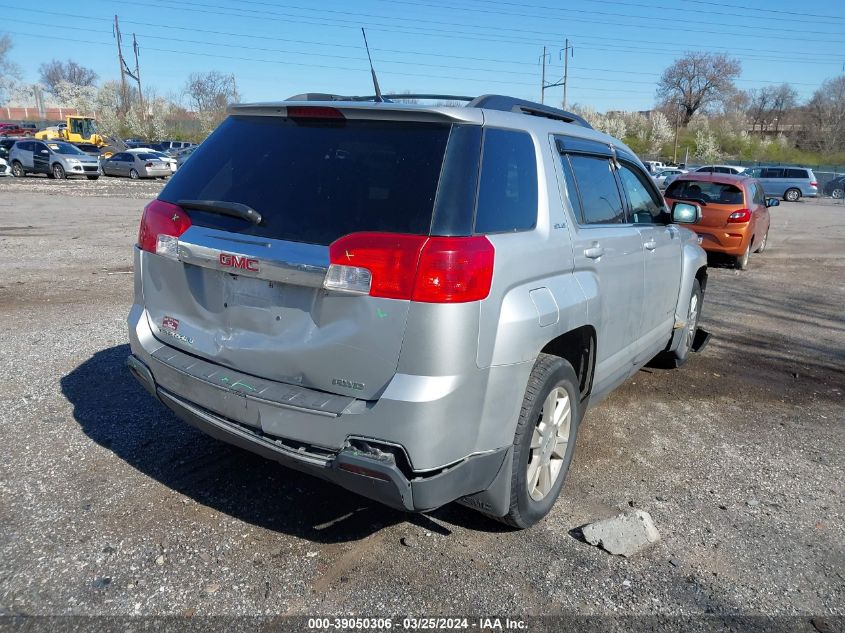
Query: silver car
point(791, 183)
point(418, 303)
point(184, 155)
point(665, 176)
point(171, 162)
point(136, 165)
point(57, 159)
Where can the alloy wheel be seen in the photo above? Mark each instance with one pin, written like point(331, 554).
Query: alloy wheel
point(548, 443)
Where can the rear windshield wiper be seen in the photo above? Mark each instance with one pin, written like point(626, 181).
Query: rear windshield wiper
point(233, 209)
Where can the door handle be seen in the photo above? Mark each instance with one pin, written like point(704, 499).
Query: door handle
point(650, 245)
point(594, 252)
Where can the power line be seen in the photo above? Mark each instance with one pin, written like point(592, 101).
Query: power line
point(795, 57)
point(263, 15)
point(567, 10)
point(419, 64)
point(685, 10)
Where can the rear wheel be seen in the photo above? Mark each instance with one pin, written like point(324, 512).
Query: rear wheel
point(133, 174)
point(544, 441)
point(17, 170)
point(838, 193)
point(742, 261)
point(792, 195)
point(762, 246)
point(59, 172)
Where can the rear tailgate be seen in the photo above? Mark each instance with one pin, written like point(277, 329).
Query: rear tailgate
point(249, 296)
point(718, 200)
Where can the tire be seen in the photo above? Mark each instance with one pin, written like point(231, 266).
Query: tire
point(792, 195)
point(17, 170)
point(92, 177)
point(838, 194)
point(681, 355)
point(133, 174)
point(551, 403)
point(762, 246)
point(59, 172)
point(741, 262)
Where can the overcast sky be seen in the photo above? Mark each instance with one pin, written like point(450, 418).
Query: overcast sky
point(276, 49)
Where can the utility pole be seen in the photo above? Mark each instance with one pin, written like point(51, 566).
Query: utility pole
point(124, 70)
point(543, 76)
point(122, 64)
point(137, 76)
point(543, 85)
point(566, 69)
point(677, 125)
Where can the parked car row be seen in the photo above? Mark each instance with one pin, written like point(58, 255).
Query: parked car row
point(171, 148)
point(789, 183)
point(59, 159)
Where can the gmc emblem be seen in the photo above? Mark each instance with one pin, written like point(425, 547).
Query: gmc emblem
point(238, 261)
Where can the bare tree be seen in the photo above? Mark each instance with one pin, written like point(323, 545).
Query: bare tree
point(770, 105)
point(784, 100)
point(9, 71)
point(698, 81)
point(56, 72)
point(759, 106)
point(210, 94)
point(824, 116)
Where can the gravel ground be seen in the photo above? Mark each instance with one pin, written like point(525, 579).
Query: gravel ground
point(109, 505)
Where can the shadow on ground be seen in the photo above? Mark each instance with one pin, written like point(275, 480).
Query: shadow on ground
point(116, 412)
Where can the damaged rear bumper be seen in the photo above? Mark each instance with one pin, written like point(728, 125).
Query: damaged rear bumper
point(360, 465)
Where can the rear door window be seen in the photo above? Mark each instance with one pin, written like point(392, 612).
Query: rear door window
point(316, 180)
point(601, 201)
point(772, 173)
point(798, 174)
point(507, 195)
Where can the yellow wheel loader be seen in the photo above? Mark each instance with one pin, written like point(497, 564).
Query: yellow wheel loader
point(77, 129)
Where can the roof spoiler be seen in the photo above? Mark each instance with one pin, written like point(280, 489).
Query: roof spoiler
point(489, 102)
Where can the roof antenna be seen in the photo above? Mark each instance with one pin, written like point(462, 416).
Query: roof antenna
point(379, 98)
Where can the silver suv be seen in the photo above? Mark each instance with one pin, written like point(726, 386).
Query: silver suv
point(416, 303)
point(57, 159)
point(792, 183)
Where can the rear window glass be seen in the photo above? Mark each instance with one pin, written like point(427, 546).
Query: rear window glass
point(705, 191)
point(316, 181)
point(147, 156)
point(507, 195)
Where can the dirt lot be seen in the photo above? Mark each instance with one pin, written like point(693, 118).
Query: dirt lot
point(109, 505)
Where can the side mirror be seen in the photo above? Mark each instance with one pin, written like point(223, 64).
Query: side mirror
point(772, 202)
point(44, 151)
point(686, 213)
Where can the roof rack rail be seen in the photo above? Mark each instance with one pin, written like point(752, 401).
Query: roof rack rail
point(523, 106)
point(322, 96)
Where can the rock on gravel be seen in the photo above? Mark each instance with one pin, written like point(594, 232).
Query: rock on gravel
point(623, 535)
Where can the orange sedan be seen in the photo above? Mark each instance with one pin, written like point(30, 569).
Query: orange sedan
point(734, 212)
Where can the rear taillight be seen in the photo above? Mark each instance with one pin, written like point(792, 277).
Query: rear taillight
point(412, 267)
point(743, 215)
point(161, 226)
point(814, 184)
point(148, 165)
